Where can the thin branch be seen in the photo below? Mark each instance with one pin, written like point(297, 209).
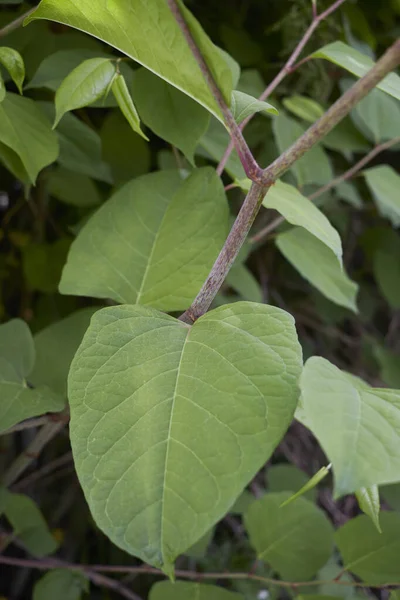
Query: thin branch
point(28, 424)
point(252, 169)
point(89, 570)
point(288, 68)
point(263, 233)
point(16, 23)
point(43, 472)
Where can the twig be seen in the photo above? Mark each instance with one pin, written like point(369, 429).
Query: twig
point(325, 188)
point(16, 23)
point(43, 472)
point(51, 563)
point(288, 68)
point(28, 424)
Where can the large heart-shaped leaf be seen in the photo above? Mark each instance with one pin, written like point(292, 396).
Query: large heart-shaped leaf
point(153, 243)
point(170, 422)
point(148, 33)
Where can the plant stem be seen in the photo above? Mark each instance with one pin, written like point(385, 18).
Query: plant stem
point(286, 70)
point(254, 198)
point(29, 424)
point(16, 23)
point(252, 169)
point(51, 563)
point(344, 177)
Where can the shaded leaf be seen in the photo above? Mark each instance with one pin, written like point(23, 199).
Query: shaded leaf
point(73, 188)
point(244, 283)
point(384, 183)
point(43, 264)
point(368, 501)
point(380, 114)
point(14, 63)
point(391, 495)
point(303, 107)
point(61, 584)
point(213, 145)
point(386, 267)
point(389, 365)
point(288, 478)
point(182, 590)
point(310, 484)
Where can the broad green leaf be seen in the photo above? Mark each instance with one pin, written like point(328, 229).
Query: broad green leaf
point(73, 188)
point(43, 264)
point(349, 193)
point(310, 485)
point(372, 556)
point(182, 590)
point(299, 210)
point(161, 256)
point(389, 363)
point(244, 283)
point(84, 85)
point(386, 267)
point(61, 584)
point(164, 51)
point(357, 63)
point(315, 166)
point(391, 495)
point(125, 102)
point(55, 348)
point(317, 263)
point(13, 163)
point(368, 500)
point(192, 414)
point(168, 112)
point(243, 106)
point(357, 426)
point(288, 478)
point(384, 183)
point(14, 63)
point(380, 114)
point(17, 357)
point(296, 539)
point(29, 525)
point(213, 145)
point(25, 130)
point(303, 107)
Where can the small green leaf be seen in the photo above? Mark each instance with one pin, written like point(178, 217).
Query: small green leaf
point(192, 415)
point(14, 63)
point(384, 183)
point(304, 108)
point(296, 539)
point(182, 590)
point(288, 478)
point(357, 426)
point(61, 584)
point(318, 264)
point(125, 102)
point(357, 63)
point(311, 484)
point(243, 106)
point(380, 114)
point(72, 188)
point(368, 500)
point(84, 85)
point(372, 556)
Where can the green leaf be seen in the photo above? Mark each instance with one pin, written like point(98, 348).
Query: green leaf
point(244, 283)
point(61, 584)
point(304, 108)
point(288, 478)
point(368, 500)
point(384, 183)
point(386, 268)
point(192, 414)
point(242, 503)
point(25, 130)
point(84, 85)
point(357, 426)
point(357, 63)
point(17, 357)
point(29, 525)
point(372, 556)
point(43, 264)
point(2, 89)
point(55, 348)
point(125, 102)
point(345, 138)
point(168, 112)
point(182, 590)
point(349, 193)
point(296, 539)
point(380, 114)
point(391, 495)
point(14, 63)
point(243, 106)
point(317, 263)
point(315, 166)
point(165, 51)
point(299, 210)
point(310, 485)
point(199, 549)
point(73, 188)
point(389, 365)
point(161, 257)
point(213, 145)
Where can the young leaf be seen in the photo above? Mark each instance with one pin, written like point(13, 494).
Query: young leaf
point(311, 484)
point(357, 63)
point(125, 102)
point(304, 108)
point(357, 426)
point(317, 263)
point(84, 85)
point(372, 556)
point(296, 539)
point(61, 584)
point(167, 54)
point(182, 590)
point(243, 106)
point(14, 63)
point(192, 414)
point(368, 501)
point(384, 183)
point(160, 257)
point(25, 130)
point(168, 112)
point(288, 478)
